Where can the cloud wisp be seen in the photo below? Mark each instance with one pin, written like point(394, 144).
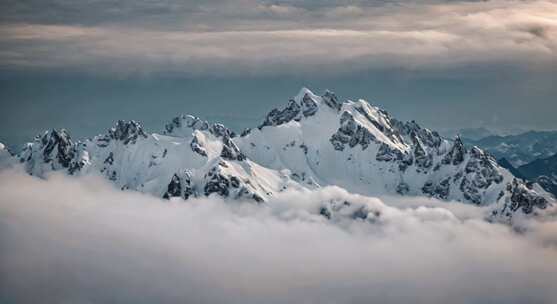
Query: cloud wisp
point(261, 38)
point(82, 241)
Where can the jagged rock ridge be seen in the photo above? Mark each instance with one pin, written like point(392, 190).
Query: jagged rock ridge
point(312, 142)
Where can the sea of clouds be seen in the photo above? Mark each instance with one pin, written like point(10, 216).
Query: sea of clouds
point(80, 240)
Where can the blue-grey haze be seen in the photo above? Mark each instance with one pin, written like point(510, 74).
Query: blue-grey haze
point(88, 105)
point(82, 65)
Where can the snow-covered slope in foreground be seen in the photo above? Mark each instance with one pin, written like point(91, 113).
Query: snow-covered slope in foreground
point(313, 142)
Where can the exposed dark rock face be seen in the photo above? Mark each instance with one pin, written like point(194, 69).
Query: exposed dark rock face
point(230, 150)
point(197, 148)
point(220, 130)
point(174, 188)
point(55, 148)
point(309, 106)
point(57, 145)
point(180, 187)
point(110, 159)
point(479, 174)
point(360, 213)
point(338, 209)
point(428, 138)
point(295, 111)
point(278, 117)
point(521, 198)
point(331, 100)
point(484, 168)
point(402, 188)
point(324, 211)
point(455, 156)
point(385, 126)
point(77, 162)
point(188, 121)
point(351, 133)
point(470, 192)
point(216, 181)
point(386, 153)
point(194, 123)
point(406, 161)
point(421, 157)
point(306, 107)
point(75, 167)
point(127, 132)
point(246, 132)
point(439, 190)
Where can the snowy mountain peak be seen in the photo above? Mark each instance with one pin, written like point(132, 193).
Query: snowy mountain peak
point(184, 125)
point(304, 93)
point(52, 150)
point(124, 132)
point(305, 104)
point(313, 141)
point(127, 131)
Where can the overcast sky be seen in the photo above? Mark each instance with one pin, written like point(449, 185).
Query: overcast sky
point(447, 64)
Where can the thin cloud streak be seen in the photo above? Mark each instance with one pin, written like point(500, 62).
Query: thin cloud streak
point(340, 39)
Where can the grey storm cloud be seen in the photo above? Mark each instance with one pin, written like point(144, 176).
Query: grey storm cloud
point(275, 37)
point(80, 240)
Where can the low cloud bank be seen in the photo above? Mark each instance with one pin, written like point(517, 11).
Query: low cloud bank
point(80, 240)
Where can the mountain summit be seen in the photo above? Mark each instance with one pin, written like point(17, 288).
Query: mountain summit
point(313, 141)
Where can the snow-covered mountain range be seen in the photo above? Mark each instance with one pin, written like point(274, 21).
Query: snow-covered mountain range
point(543, 171)
point(519, 149)
point(314, 141)
point(468, 133)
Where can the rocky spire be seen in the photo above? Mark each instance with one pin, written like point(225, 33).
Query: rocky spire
point(57, 144)
point(421, 157)
point(127, 131)
point(351, 133)
point(230, 150)
point(330, 99)
point(455, 156)
point(278, 117)
point(197, 147)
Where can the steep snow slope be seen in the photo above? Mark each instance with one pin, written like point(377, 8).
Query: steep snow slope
point(362, 148)
point(201, 161)
point(313, 142)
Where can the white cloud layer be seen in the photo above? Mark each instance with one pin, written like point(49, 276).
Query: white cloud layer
point(82, 241)
point(259, 38)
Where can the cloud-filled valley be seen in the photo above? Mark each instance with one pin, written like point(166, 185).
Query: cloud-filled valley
point(154, 152)
point(83, 241)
